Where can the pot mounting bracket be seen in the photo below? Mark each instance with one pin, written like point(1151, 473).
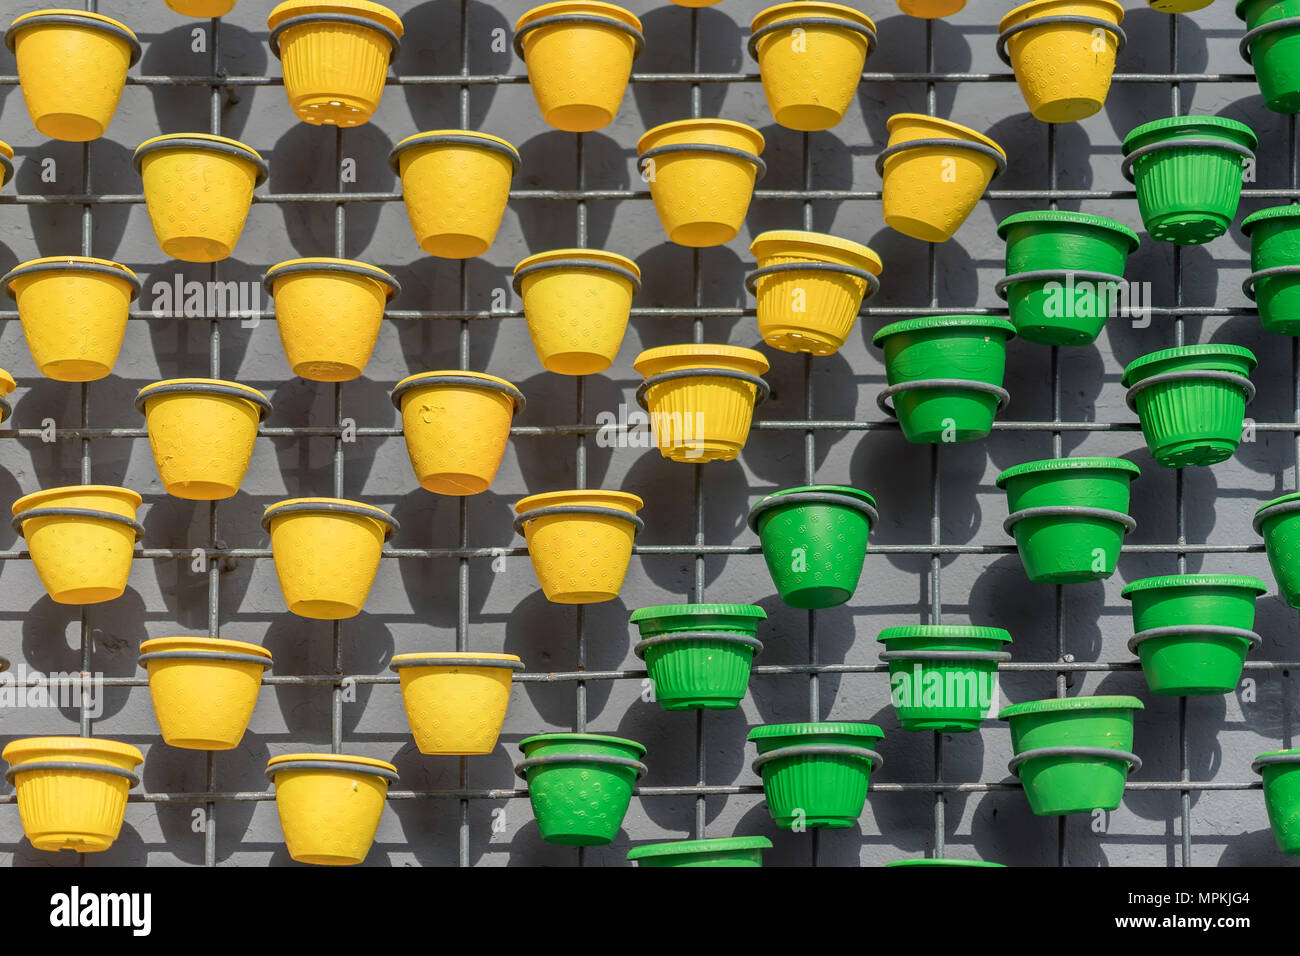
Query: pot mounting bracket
point(882, 399)
point(872, 281)
point(761, 388)
point(1286, 23)
point(1195, 374)
point(1133, 760)
point(819, 750)
point(1248, 286)
point(1194, 630)
point(1069, 511)
point(1126, 167)
point(1047, 275)
point(1121, 38)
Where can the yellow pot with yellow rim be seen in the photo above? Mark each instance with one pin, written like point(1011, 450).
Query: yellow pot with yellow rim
point(930, 9)
point(205, 9)
point(329, 804)
point(203, 689)
point(455, 701)
point(580, 542)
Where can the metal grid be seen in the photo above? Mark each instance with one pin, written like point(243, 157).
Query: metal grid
point(222, 88)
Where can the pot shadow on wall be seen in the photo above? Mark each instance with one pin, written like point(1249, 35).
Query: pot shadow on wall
point(1148, 52)
point(1004, 597)
point(1153, 262)
point(57, 227)
point(10, 491)
point(178, 523)
point(721, 50)
point(831, 160)
point(1004, 830)
point(59, 462)
point(182, 346)
point(429, 827)
point(307, 465)
point(1257, 848)
point(1025, 141)
point(904, 51)
point(178, 109)
point(1274, 396)
point(549, 161)
point(785, 641)
point(432, 44)
point(552, 400)
point(435, 284)
point(905, 281)
point(668, 282)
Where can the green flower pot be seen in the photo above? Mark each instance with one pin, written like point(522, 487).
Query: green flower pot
point(1278, 522)
point(1252, 11)
point(943, 676)
point(1073, 755)
point(1187, 170)
point(1069, 516)
point(816, 775)
point(1274, 281)
point(727, 851)
point(944, 863)
point(1281, 772)
point(699, 655)
point(945, 375)
point(580, 785)
point(1193, 630)
point(1191, 401)
point(814, 540)
point(1272, 47)
point(1065, 272)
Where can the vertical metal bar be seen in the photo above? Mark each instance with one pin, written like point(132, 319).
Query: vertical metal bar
point(340, 251)
point(462, 578)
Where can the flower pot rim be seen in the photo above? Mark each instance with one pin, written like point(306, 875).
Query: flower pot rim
point(1269, 212)
point(1067, 464)
point(203, 643)
point(363, 8)
point(199, 141)
point(1223, 127)
point(1284, 499)
point(7, 383)
point(327, 265)
point(212, 386)
point(331, 758)
point(1014, 15)
point(929, 861)
point(655, 132)
point(1189, 352)
point(943, 633)
point(44, 264)
point(32, 746)
point(1163, 581)
point(928, 322)
point(809, 8)
point(94, 20)
point(691, 353)
point(1058, 704)
point(431, 138)
point(575, 737)
point(1068, 217)
point(457, 379)
point(817, 729)
point(962, 132)
point(332, 506)
point(691, 847)
point(452, 658)
point(27, 501)
point(659, 611)
point(868, 256)
point(1271, 756)
point(596, 255)
point(594, 7)
point(6, 150)
point(577, 496)
point(846, 491)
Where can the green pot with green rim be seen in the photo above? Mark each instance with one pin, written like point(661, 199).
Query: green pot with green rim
point(1191, 401)
point(1278, 523)
point(1272, 46)
point(1069, 516)
point(1073, 754)
point(1281, 772)
point(945, 863)
point(1253, 11)
point(1274, 280)
point(816, 775)
point(814, 540)
point(698, 655)
point(1065, 273)
point(943, 677)
point(945, 375)
point(580, 785)
point(1192, 631)
point(1188, 172)
point(726, 851)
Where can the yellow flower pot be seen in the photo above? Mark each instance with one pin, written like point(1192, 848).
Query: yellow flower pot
point(81, 538)
point(809, 288)
point(577, 303)
point(335, 56)
point(326, 553)
point(329, 804)
point(456, 184)
point(810, 57)
point(1063, 54)
point(580, 542)
point(455, 702)
point(700, 398)
point(71, 790)
point(201, 431)
point(7, 385)
point(72, 66)
point(930, 9)
point(329, 312)
point(1178, 6)
point(203, 688)
point(456, 426)
point(695, 3)
point(206, 9)
point(701, 174)
point(934, 171)
point(198, 189)
point(73, 311)
point(6, 163)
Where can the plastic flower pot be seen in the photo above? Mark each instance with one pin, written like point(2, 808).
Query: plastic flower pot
point(579, 56)
point(335, 56)
point(1188, 171)
point(945, 375)
point(816, 775)
point(809, 288)
point(700, 398)
point(328, 312)
point(580, 785)
point(933, 173)
point(577, 303)
point(203, 689)
point(1191, 401)
point(1272, 46)
point(701, 174)
point(73, 311)
point(1063, 54)
point(726, 851)
point(456, 426)
point(1278, 522)
point(1069, 516)
point(203, 9)
point(326, 553)
point(976, 863)
point(6, 163)
point(81, 538)
point(695, 3)
point(580, 542)
point(455, 184)
point(1281, 772)
point(72, 66)
point(1274, 281)
point(699, 655)
point(1073, 755)
point(455, 701)
point(329, 804)
point(202, 432)
point(810, 56)
point(1193, 630)
point(7, 385)
point(930, 9)
point(943, 676)
point(814, 540)
point(71, 790)
point(198, 189)
point(1178, 6)
point(1065, 274)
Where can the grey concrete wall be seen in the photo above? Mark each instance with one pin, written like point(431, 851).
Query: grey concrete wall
point(413, 604)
